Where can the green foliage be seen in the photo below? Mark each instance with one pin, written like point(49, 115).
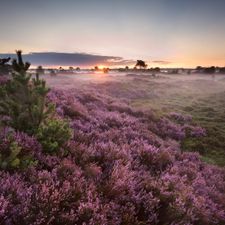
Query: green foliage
point(14, 158)
point(23, 98)
point(53, 134)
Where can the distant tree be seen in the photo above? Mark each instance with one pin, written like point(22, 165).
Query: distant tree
point(210, 70)
point(71, 68)
point(154, 71)
point(199, 69)
point(121, 69)
point(4, 67)
point(173, 71)
point(40, 70)
point(221, 70)
point(78, 69)
point(105, 70)
point(4, 61)
point(141, 64)
point(127, 68)
point(96, 68)
point(157, 70)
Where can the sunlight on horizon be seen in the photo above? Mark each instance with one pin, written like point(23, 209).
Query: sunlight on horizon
point(184, 33)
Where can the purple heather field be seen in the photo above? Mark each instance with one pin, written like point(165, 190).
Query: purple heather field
point(123, 164)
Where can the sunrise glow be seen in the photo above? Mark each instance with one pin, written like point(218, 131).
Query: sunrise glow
point(172, 33)
point(101, 67)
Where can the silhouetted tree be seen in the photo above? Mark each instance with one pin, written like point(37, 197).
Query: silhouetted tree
point(40, 70)
point(4, 67)
point(199, 69)
point(105, 70)
point(78, 69)
point(154, 71)
point(221, 70)
point(141, 64)
point(173, 71)
point(157, 70)
point(127, 68)
point(210, 70)
point(4, 61)
point(96, 68)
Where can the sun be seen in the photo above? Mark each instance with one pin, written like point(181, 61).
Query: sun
point(101, 67)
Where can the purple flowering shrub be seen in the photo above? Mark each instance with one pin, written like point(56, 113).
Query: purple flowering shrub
point(122, 167)
point(178, 127)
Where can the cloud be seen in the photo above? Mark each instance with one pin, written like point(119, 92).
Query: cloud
point(161, 62)
point(71, 59)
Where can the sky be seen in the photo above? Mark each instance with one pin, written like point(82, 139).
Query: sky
point(165, 33)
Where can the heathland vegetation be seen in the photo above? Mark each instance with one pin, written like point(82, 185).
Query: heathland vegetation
point(82, 156)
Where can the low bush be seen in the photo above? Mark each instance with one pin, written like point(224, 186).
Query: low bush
point(53, 134)
point(17, 150)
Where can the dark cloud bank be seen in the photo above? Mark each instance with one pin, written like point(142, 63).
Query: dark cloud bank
point(71, 59)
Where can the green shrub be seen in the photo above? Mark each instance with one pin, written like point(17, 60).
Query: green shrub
point(14, 161)
point(53, 134)
point(15, 151)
